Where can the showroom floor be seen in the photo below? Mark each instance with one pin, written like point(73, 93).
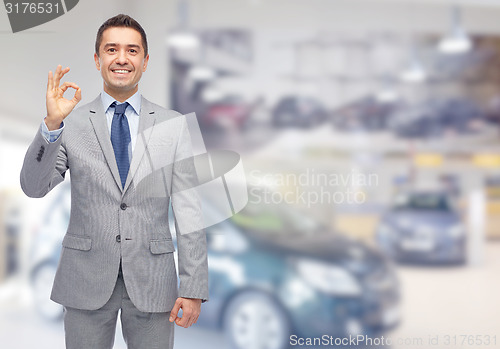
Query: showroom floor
point(460, 305)
point(456, 306)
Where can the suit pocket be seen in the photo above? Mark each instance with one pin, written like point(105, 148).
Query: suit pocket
point(161, 246)
point(77, 242)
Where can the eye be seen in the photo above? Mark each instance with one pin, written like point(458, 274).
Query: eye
point(133, 51)
point(111, 49)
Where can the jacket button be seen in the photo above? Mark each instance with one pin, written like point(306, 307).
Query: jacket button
point(118, 238)
point(123, 206)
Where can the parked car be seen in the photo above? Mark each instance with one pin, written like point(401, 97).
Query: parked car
point(365, 114)
point(230, 111)
point(299, 112)
point(274, 272)
point(423, 226)
point(437, 118)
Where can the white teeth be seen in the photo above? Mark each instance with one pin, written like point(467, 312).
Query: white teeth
point(121, 71)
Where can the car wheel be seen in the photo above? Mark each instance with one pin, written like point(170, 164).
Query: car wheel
point(254, 320)
point(42, 279)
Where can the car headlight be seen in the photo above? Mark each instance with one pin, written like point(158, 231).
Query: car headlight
point(328, 278)
point(456, 231)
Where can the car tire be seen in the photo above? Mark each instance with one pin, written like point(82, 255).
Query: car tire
point(254, 320)
point(42, 278)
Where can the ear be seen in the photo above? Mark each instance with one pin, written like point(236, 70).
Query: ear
point(97, 63)
point(146, 60)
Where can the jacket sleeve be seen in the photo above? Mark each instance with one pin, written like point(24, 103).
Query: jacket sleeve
point(44, 166)
point(191, 243)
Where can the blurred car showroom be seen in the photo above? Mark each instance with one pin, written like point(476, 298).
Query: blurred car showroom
point(369, 131)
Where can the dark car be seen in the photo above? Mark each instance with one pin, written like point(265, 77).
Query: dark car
point(423, 226)
point(366, 114)
point(437, 118)
point(274, 272)
point(299, 112)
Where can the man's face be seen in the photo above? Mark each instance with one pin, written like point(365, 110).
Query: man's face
point(121, 61)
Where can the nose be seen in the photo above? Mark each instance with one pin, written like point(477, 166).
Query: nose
point(121, 57)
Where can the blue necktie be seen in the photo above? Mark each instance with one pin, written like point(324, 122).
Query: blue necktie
point(120, 138)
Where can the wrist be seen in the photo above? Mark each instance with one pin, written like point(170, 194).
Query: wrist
point(52, 124)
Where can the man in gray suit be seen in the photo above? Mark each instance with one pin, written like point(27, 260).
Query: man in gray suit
point(128, 158)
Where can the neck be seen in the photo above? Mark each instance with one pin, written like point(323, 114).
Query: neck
point(120, 96)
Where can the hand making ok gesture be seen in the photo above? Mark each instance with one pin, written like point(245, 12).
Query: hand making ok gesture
point(59, 107)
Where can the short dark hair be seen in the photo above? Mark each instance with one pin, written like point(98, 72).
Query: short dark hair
point(121, 20)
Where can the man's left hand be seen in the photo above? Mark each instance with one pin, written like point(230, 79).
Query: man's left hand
point(191, 308)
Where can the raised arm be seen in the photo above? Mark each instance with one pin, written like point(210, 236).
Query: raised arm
point(45, 163)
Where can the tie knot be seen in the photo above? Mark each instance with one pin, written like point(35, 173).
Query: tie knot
point(120, 108)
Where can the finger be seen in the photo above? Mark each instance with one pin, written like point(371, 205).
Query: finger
point(182, 321)
point(58, 76)
point(191, 321)
point(65, 86)
point(61, 74)
point(49, 81)
point(64, 71)
point(188, 319)
point(52, 81)
point(174, 311)
point(195, 318)
point(78, 96)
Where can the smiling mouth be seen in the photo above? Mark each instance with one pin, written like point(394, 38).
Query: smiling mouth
point(121, 71)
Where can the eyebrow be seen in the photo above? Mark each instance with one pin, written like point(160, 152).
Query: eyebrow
point(111, 44)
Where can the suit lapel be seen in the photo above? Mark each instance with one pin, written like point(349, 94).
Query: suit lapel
point(147, 121)
point(98, 119)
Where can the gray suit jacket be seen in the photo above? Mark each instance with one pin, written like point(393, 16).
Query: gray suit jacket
point(109, 222)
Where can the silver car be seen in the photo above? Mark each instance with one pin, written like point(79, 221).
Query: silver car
point(423, 226)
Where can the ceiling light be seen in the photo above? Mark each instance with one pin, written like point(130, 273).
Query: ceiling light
point(182, 37)
point(457, 41)
point(387, 96)
point(211, 94)
point(201, 73)
point(415, 72)
point(183, 40)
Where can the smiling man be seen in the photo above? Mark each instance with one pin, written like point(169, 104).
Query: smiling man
point(121, 56)
point(117, 253)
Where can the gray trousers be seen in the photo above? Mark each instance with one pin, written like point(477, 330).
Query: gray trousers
point(95, 329)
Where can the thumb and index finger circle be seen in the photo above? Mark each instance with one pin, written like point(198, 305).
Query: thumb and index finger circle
point(78, 93)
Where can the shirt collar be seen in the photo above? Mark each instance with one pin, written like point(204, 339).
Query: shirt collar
point(134, 101)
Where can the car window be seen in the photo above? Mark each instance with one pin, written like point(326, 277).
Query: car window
point(422, 201)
